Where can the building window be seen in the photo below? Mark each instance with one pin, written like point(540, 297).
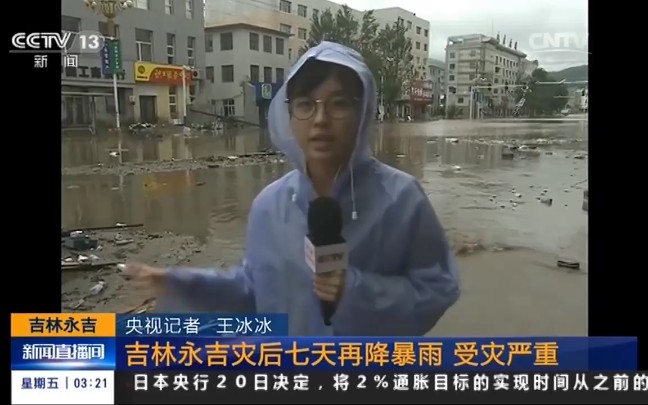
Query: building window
point(254, 41)
point(189, 9)
point(426, 33)
point(451, 78)
point(71, 25)
point(173, 103)
point(191, 51)
point(285, 28)
point(409, 25)
point(267, 44)
point(227, 73)
point(267, 74)
point(209, 42)
point(315, 13)
point(254, 73)
point(280, 75)
point(452, 55)
point(425, 47)
point(144, 44)
point(418, 30)
point(302, 10)
point(192, 93)
point(418, 45)
point(103, 29)
point(289, 53)
point(229, 109)
point(168, 7)
point(279, 46)
point(226, 41)
point(301, 33)
point(143, 4)
point(209, 73)
point(170, 49)
point(285, 6)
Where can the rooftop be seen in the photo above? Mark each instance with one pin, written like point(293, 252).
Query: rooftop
point(247, 27)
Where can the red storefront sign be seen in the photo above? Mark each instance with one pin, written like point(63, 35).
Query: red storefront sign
point(421, 91)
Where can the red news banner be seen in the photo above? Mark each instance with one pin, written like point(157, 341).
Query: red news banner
point(89, 358)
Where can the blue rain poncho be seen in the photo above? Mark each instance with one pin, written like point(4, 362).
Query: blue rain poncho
point(402, 275)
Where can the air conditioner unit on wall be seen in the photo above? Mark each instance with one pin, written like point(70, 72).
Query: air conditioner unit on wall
point(196, 74)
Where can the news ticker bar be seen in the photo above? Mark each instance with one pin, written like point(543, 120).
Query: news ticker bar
point(325, 353)
point(324, 387)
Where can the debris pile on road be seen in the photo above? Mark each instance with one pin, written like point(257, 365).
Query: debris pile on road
point(129, 168)
point(141, 127)
point(91, 272)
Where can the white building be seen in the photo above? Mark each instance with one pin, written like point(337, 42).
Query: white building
point(418, 32)
point(436, 74)
point(480, 60)
point(239, 57)
point(294, 18)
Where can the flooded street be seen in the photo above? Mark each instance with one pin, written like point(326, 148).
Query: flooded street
point(493, 200)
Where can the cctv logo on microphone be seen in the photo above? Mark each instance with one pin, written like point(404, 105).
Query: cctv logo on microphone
point(333, 257)
point(324, 259)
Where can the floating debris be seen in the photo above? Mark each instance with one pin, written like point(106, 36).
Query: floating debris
point(569, 264)
point(547, 201)
point(97, 288)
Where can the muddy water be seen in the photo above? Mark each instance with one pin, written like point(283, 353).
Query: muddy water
point(82, 150)
point(483, 200)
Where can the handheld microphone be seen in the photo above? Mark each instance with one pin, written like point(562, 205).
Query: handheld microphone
point(324, 246)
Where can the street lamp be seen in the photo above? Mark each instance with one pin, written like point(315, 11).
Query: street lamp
point(110, 9)
point(472, 95)
point(382, 89)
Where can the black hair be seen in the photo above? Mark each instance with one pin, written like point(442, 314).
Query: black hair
point(314, 72)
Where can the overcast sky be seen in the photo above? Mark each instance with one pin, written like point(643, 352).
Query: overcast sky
point(538, 26)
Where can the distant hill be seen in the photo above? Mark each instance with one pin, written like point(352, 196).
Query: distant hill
point(571, 74)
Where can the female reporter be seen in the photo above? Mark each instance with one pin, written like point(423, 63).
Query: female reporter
point(401, 276)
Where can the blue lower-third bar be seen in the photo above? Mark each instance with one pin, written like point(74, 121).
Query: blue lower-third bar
point(202, 325)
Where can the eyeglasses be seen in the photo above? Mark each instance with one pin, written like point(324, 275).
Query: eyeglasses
point(338, 107)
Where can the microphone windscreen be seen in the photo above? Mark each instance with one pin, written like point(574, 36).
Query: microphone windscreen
point(324, 218)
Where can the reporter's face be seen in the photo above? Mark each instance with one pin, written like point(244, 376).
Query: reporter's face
point(326, 122)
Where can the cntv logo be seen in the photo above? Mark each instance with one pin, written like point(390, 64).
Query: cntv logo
point(559, 42)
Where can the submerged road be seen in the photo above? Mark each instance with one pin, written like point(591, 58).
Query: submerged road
point(507, 240)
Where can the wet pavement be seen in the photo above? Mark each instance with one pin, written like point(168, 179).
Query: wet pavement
point(489, 183)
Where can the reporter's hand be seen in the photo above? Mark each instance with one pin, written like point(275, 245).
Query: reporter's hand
point(146, 277)
point(329, 286)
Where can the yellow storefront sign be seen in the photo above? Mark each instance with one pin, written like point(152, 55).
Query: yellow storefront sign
point(146, 72)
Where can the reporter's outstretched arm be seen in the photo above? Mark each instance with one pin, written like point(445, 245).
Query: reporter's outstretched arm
point(216, 290)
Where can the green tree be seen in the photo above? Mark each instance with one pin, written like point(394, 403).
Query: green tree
point(395, 54)
point(387, 51)
point(341, 28)
point(541, 99)
point(367, 43)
